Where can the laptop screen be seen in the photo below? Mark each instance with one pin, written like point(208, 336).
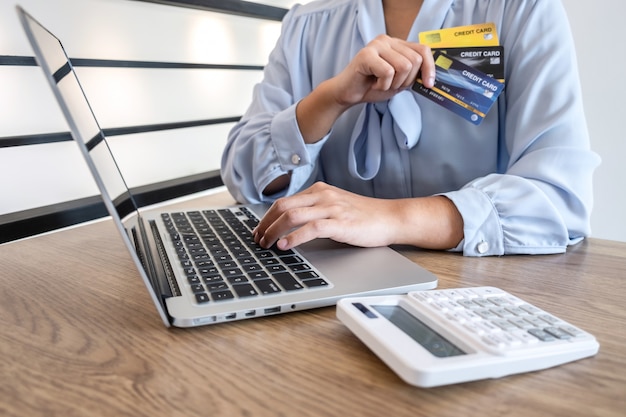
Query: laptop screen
point(52, 58)
point(116, 196)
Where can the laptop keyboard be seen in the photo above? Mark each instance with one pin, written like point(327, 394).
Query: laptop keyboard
point(221, 261)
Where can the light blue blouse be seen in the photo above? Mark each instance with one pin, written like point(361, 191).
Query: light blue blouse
point(522, 180)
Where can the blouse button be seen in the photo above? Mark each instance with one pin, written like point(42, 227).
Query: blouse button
point(295, 159)
point(482, 247)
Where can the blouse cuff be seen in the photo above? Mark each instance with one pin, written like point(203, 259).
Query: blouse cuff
point(292, 153)
point(483, 234)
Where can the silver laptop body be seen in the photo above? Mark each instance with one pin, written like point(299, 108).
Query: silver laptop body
point(344, 270)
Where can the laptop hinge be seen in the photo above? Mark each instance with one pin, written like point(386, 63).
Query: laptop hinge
point(174, 289)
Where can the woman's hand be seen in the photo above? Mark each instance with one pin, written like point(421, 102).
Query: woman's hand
point(380, 70)
point(324, 211)
point(383, 68)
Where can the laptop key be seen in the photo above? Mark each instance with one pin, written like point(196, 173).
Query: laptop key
point(255, 275)
point(205, 264)
point(317, 282)
point(267, 286)
point(300, 267)
point(292, 259)
point(304, 275)
point(208, 272)
point(276, 268)
point(270, 261)
point(217, 286)
point(287, 281)
point(197, 288)
point(245, 290)
point(193, 279)
point(202, 297)
point(212, 279)
point(239, 279)
point(222, 295)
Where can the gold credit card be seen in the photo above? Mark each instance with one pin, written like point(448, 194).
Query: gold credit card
point(483, 34)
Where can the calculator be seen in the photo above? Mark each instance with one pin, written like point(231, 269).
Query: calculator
point(439, 337)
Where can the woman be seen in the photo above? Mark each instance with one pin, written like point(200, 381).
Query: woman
point(336, 138)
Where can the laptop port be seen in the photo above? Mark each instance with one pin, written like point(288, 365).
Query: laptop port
point(250, 313)
point(272, 310)
point(204, 320)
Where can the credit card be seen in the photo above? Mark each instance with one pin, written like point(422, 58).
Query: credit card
point(466, 91)
point(488, 59)
point(483, 34)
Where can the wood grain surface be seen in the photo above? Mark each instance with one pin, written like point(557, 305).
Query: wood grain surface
point(80, 337)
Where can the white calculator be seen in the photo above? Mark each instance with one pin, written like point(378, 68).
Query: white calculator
point(438, 337)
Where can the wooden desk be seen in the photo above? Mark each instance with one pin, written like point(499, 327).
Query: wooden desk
point(80, 337)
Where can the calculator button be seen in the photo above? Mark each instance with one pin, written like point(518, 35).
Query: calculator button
point(469, 304)
point(456, 316)
point(499, 301)
point(467, 293)
point(488, 326)
point(516, 311)
point(462, 316)
point(474, 328)
point(509, 339)
point(541, 335)
point(487, 314)
point(535, 322)
point(422, 296)
point(572, 330)
point(558, 333)
point(521, 323)
point(454, 294)
point(483, 302)
point(502, 312)
point(494, 341)
point(452, 306)
point(549, 319)
point(438, 305)
point(530, 309)
point(505, 325)
point(514, 300)
point(487, 291)
point(526, 338)
point(439, 296)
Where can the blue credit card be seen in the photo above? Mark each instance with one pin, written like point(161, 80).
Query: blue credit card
point(464, 90)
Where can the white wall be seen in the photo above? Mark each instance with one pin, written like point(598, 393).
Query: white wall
point(112, 29)
point(598, 33)
point(40, 175)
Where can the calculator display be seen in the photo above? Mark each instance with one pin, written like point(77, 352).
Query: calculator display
point(418, 331)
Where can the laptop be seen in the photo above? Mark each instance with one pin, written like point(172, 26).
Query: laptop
point(202, 266)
